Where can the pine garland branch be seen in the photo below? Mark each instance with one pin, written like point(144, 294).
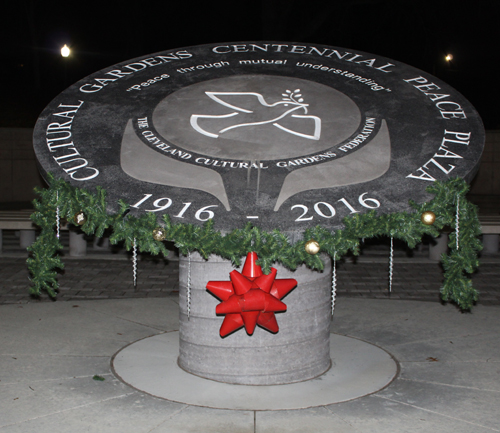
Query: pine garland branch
point(271, 247)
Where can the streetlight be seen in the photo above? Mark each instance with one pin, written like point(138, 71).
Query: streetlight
point(65, 51)
point(449, 57)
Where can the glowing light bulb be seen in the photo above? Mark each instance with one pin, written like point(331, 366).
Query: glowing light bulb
point(449, 57)
point(65, 51)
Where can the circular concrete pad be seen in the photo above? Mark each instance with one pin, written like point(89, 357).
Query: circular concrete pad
point(358, 368)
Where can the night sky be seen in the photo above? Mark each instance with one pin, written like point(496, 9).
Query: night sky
point(100, 34)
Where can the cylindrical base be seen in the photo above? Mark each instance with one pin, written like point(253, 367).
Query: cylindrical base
point(299, 351)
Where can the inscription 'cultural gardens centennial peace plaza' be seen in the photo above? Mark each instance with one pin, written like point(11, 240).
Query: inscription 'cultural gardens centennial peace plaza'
point(285, 135)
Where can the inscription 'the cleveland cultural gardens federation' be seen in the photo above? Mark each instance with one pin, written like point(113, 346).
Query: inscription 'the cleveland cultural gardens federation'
point(284, 135)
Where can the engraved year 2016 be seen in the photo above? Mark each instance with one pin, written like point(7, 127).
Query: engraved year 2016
point(202, 214)
point(326, 210)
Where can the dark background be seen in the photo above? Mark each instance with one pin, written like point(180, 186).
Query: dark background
point(100, 34)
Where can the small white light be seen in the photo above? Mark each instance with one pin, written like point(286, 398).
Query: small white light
point(449, 57)
point(65, 51)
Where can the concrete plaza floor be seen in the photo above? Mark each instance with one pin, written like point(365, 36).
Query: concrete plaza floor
point(449, 379)
point(50, 352)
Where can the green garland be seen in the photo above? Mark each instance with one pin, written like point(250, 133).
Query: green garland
point(271, 246)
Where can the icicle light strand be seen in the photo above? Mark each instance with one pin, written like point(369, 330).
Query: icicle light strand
point(334, 281)
point(134, 259)
point(58, 228)
point(189, 286)
point(391, 265)
point(457, 221)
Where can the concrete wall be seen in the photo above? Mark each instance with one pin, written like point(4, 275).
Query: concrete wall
point(19, 174)
point(18, 170)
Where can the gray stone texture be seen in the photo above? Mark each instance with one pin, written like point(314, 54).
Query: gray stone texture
point(299, 351)
point(484, 188)
point(359, 369)
point(258, 118)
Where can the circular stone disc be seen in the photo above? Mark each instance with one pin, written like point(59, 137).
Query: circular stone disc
point(284, 135)
point(358, 369)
